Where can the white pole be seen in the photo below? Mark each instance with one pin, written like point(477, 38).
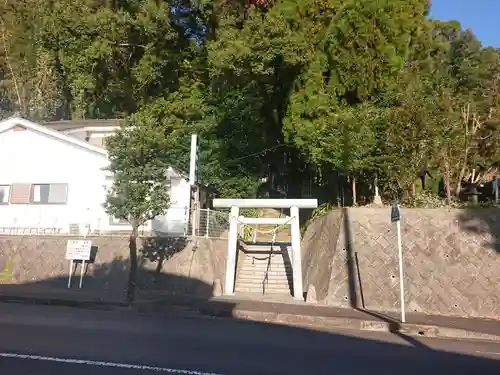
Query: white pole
point(194, 217)
point(70, 273)
point(82, 265)
point(192, 160)
point(81, 273)
point(241, 227)
point(192, 181)
point(232, 244)
point(296, 254)
point(377, 199)
point(207, 224)
point(401, 273)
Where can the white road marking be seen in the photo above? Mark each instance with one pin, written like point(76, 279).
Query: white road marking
point(103, 364)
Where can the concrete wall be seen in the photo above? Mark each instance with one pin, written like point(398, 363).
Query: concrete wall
point(318, 252)
point(172, 265)
point(451, 260)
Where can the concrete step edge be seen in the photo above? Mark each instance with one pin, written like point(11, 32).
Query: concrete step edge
point(261, 280)
point(259, 285)
point(274, 267)
point(263, 272)
point(277, 293)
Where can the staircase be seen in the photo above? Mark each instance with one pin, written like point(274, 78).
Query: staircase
point(265, 270)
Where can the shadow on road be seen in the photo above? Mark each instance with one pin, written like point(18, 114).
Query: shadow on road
point(223, 346)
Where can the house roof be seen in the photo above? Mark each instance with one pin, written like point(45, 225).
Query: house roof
point(56, 130)
point(17, 121)
point(66, 125)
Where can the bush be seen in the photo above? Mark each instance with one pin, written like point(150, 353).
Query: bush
point(427, 199)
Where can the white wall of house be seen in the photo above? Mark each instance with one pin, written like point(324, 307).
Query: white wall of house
point(31, 157)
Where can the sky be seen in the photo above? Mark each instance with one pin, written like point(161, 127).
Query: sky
point(482, 16)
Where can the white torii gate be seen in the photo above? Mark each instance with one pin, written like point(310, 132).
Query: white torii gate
point(293, 204)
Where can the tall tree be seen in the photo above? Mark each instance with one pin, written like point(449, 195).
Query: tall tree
point(140, 190)
point(28, 79)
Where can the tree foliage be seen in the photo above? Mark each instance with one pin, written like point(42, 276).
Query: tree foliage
point(288, 88)
point(140, 174)
point(140, 188)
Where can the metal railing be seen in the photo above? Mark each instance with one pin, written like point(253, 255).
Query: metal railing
point(175, 222)
point(212, 223)
point(178, 221)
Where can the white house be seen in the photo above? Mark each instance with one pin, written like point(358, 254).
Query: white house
point(51, 181)
point(90, 131)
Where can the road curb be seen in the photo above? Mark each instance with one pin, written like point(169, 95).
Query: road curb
point(334, 323)
point(58, 301)
point(422, 330)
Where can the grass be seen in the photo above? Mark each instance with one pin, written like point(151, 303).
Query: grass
point(7, 273)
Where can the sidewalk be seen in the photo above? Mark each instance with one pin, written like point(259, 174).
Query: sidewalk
point(289, 313)
point(315, 316)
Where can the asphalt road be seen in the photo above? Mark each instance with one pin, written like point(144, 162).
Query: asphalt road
point(38, 340)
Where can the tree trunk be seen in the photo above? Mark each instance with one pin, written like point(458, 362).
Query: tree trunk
point(159, 265)
point(132, 276)
point(459, 182)
point(354, 201)
point(447, 187)
point(447, 183)
point(462, 172)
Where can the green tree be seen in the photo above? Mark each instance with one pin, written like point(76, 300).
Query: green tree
point(28, 80)
point(140, 190)
point(115, 56)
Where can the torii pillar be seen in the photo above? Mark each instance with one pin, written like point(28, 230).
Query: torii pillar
point(294, 205)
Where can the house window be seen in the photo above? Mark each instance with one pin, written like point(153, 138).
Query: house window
point(49, 193)
point(20, 194)
point(4, 194)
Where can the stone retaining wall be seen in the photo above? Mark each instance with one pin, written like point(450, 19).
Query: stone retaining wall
point(318, 255)
point(167, 264)
point(451, 260)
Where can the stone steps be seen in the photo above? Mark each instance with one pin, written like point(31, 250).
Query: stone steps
point(251, 278)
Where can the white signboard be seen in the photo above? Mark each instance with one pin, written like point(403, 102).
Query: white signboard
point(78, 250)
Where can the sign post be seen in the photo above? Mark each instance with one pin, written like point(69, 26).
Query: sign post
point(78, 250)
point(396, 218)
point(70, 273)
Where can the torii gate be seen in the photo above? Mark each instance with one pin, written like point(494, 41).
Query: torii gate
point(293, 204)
